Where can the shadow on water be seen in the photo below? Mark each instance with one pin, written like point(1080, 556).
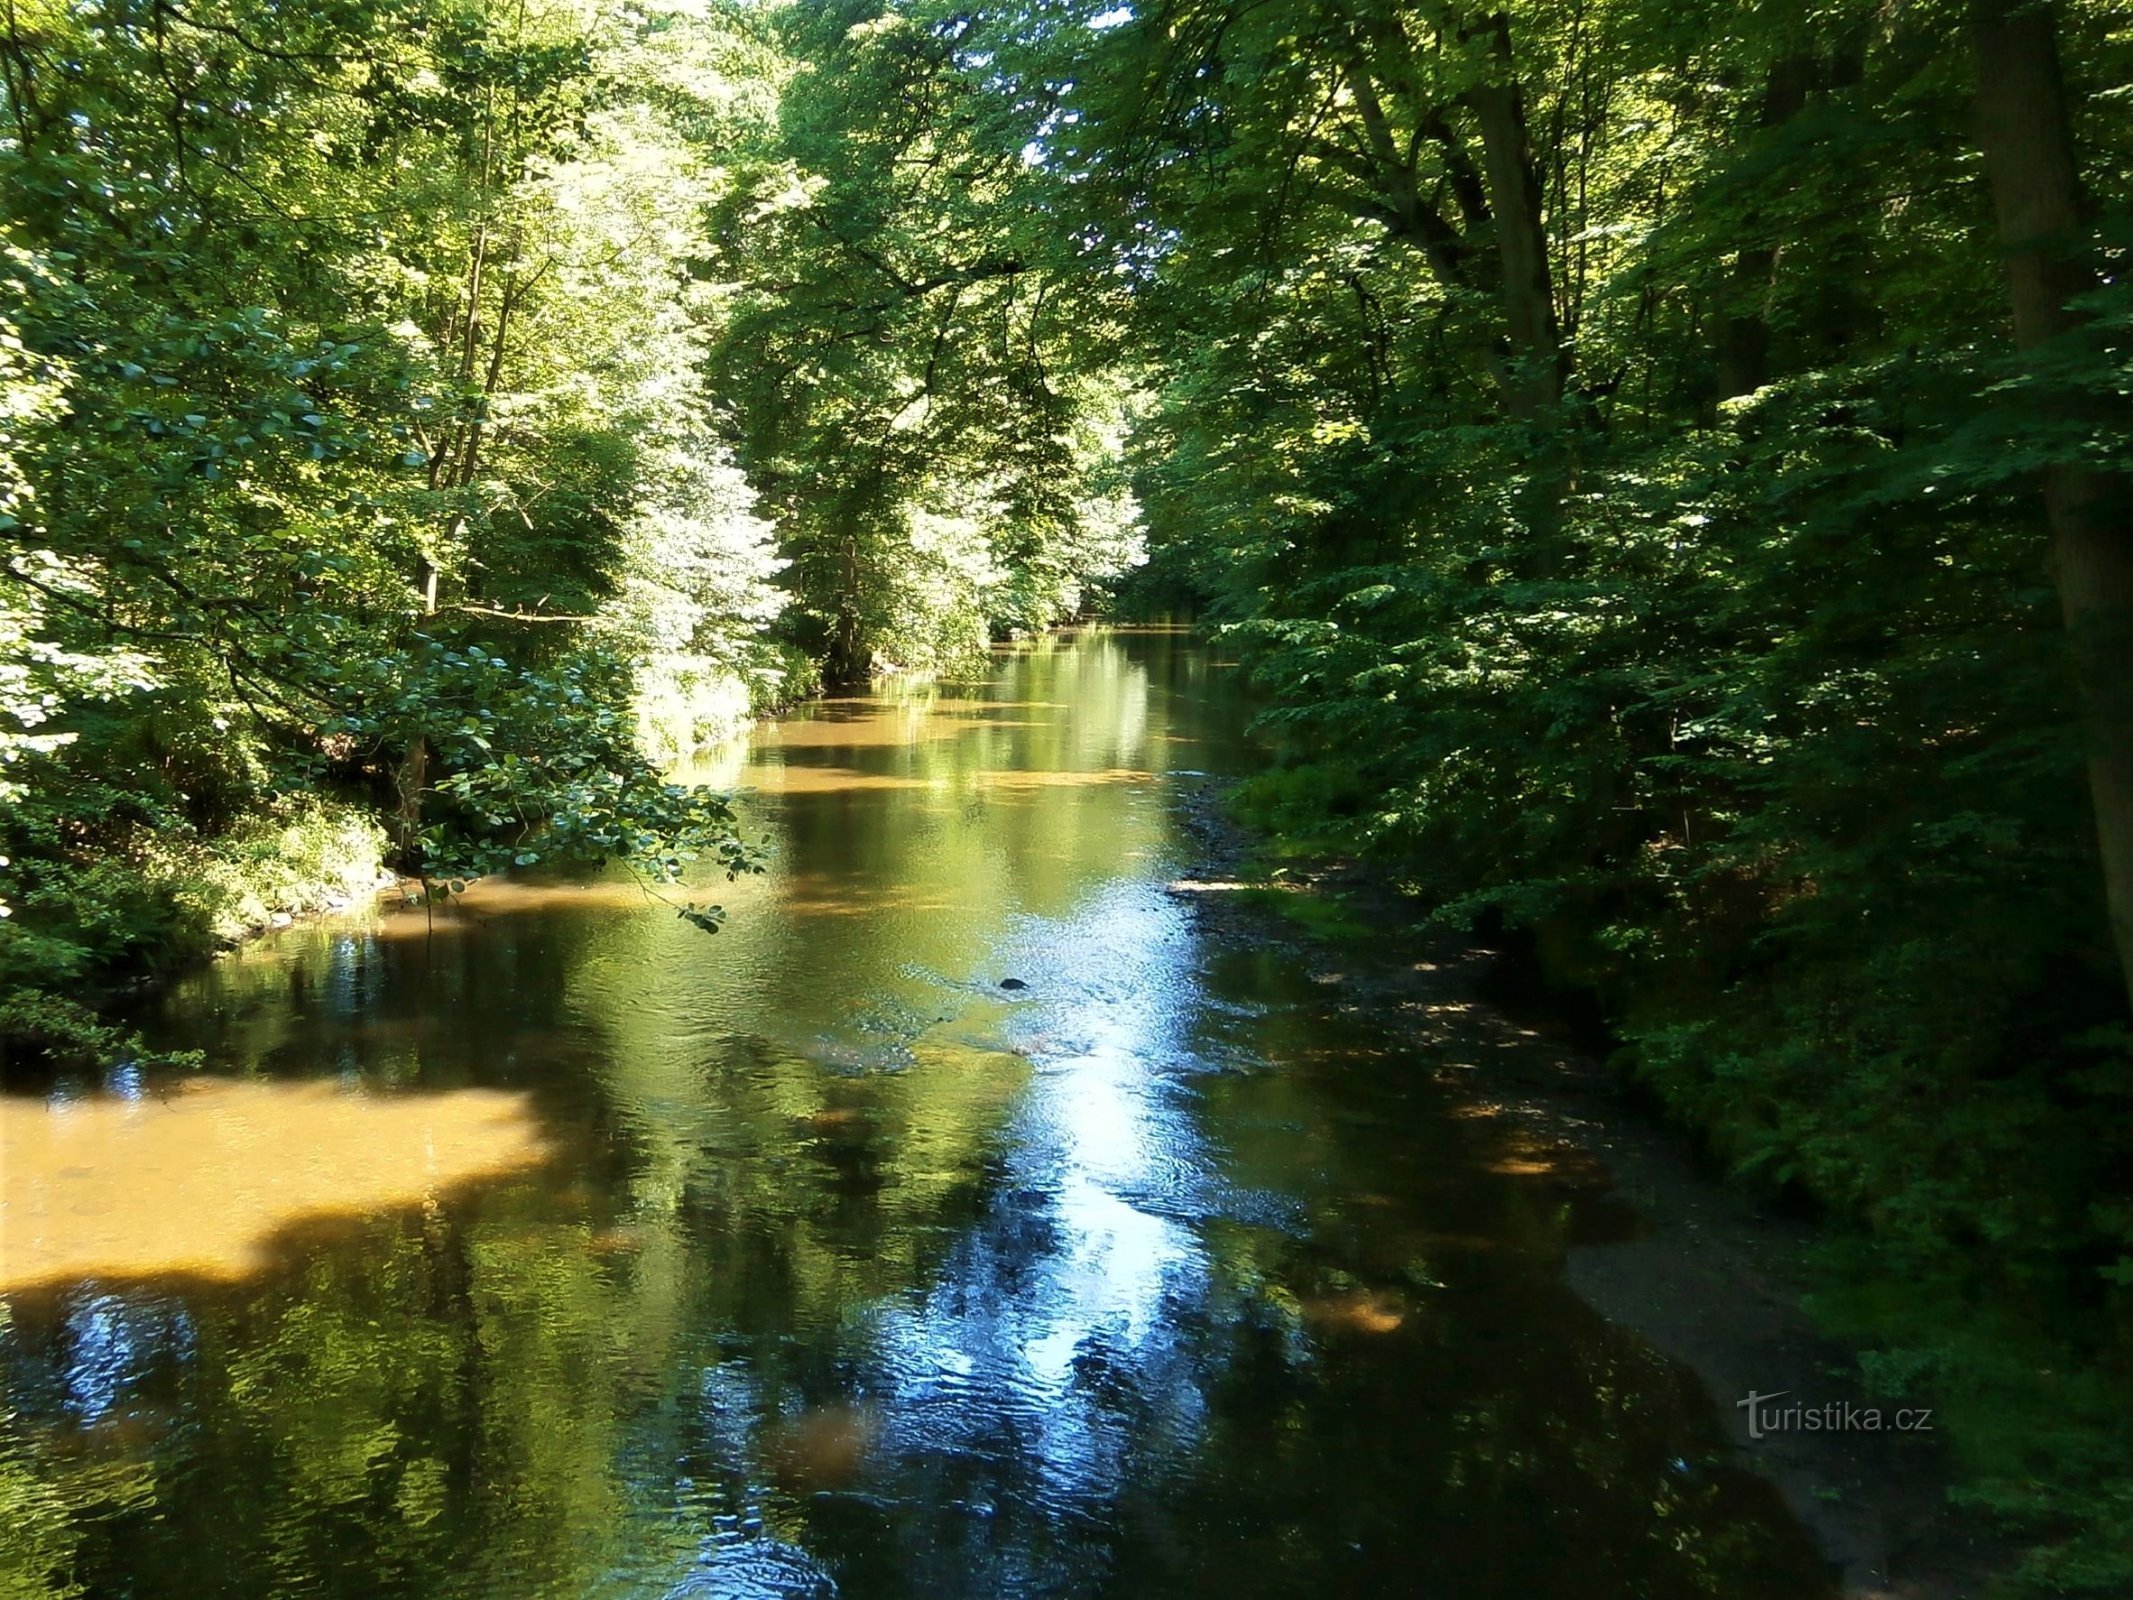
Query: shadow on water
point(565, 1250)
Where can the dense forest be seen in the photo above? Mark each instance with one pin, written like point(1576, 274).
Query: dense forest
point(1663, 466)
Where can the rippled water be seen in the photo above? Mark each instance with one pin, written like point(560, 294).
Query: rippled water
point(561, 1249)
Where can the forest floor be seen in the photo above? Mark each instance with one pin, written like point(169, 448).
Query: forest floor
point(1693, 1266)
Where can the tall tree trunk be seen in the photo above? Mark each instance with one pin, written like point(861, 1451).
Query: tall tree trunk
point(1535, 380)
point(850, 663)
point(2026, 135)
point(1744, 333)
point(412, 781)
point(1531, 378)
point(1841, 315)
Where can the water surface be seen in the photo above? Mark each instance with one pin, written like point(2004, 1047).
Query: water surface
point(557, 1248)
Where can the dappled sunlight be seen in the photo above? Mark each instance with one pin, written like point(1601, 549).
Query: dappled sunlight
point(777, 778)
point(966, 1187)
point(773, 778)
point(503, 896)
point(888, 1085)
point(1012, 781)
point(825, 894)
point(828, 905)
point(1524, 1155)
point(893, 725)
point(1362, 1311)
point(500, 895)
point(410, 922)
point(954, 707)
point(202, 1178)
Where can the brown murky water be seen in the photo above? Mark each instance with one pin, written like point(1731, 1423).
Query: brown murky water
point(564, 1250)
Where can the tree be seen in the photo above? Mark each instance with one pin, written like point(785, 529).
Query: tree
point(2026, 132)
point(895, 351)
point(352, 356)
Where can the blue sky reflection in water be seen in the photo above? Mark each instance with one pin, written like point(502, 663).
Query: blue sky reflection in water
point(573, 1252)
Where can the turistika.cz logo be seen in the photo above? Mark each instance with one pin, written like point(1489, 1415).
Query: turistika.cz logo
point(1834, 1416)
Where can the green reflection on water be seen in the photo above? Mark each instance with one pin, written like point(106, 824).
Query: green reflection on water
point(847, 1265)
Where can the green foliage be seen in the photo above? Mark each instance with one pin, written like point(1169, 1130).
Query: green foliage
point(343, 356)
point(1693, 619)
point(539, 765)
point(301, 855)
point(146, 884)
point(2040, 1437)
point(1594, 423)
point(900, 352)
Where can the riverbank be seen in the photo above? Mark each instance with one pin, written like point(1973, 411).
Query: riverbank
point(93, 913)
point(1696, 1268)
point(162, 901)
point(819, 1249)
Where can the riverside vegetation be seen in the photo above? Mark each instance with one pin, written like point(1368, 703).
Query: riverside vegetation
point(1662, 463)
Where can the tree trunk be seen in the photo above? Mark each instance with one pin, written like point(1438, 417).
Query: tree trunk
point(2026, 135)
point(850, 662)
point(1535, 379)
point(1744, 334)
point(411, 780)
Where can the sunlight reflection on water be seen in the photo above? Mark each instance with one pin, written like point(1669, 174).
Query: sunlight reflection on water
point(550, 1247)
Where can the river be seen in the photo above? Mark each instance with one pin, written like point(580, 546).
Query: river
point(968, 1218)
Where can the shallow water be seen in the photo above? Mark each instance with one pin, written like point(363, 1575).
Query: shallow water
point(559, 1248)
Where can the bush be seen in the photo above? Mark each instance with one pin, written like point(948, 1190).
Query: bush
point(300, 855)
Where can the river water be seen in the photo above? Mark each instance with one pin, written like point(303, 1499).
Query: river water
point(559, 1248)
